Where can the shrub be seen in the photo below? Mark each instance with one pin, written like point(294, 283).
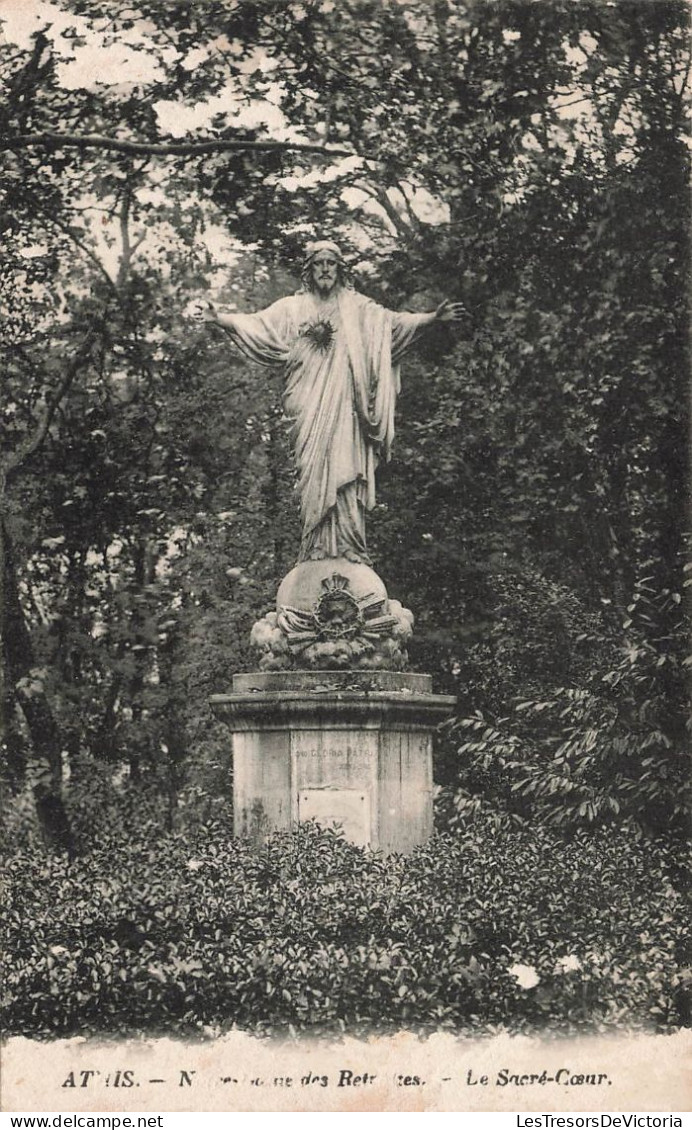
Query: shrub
point(314, 935)
point(581, 723)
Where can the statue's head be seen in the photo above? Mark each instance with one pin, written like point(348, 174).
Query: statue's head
point(323, 268)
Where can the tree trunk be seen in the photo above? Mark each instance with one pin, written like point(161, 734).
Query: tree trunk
point(19, 660)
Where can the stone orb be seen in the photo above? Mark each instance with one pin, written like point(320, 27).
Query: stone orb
point(302, 587)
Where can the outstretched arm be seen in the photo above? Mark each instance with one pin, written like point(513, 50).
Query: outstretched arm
point(448, 312)
point(407, 328)
point(263, 337)
point(206, 313)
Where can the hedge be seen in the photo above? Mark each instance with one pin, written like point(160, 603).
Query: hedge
point(482, 929)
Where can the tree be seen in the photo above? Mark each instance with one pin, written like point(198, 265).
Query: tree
point(526, 158)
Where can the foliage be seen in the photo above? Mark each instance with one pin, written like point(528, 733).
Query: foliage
point(528, 158)
point(313, 935)
point(570, 728)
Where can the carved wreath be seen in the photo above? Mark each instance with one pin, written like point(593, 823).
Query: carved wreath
point(337, 614)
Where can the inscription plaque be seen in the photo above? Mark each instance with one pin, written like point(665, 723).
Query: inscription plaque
point(346, 809)
point(343, 753)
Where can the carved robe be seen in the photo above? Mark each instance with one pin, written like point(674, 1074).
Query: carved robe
point(342, 378)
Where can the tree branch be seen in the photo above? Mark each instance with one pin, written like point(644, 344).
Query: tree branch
point(165, 148)
point(126, 250)
point(379, 195)
point(683, 85)
point(34, 441)
point(91, 255)
point(413, 218)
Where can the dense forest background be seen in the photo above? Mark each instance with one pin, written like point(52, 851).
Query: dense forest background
point(527, 159)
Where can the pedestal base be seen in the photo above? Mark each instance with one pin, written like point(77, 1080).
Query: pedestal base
point(351, 749)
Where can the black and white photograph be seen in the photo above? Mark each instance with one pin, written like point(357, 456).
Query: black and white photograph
point(344, 531)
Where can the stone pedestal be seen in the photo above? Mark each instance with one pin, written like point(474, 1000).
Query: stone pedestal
point(346, 748)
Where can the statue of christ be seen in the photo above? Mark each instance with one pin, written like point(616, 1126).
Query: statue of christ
point(340, 352)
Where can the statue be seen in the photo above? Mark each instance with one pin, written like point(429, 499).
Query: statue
point(332, 726)
point(341, 353)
